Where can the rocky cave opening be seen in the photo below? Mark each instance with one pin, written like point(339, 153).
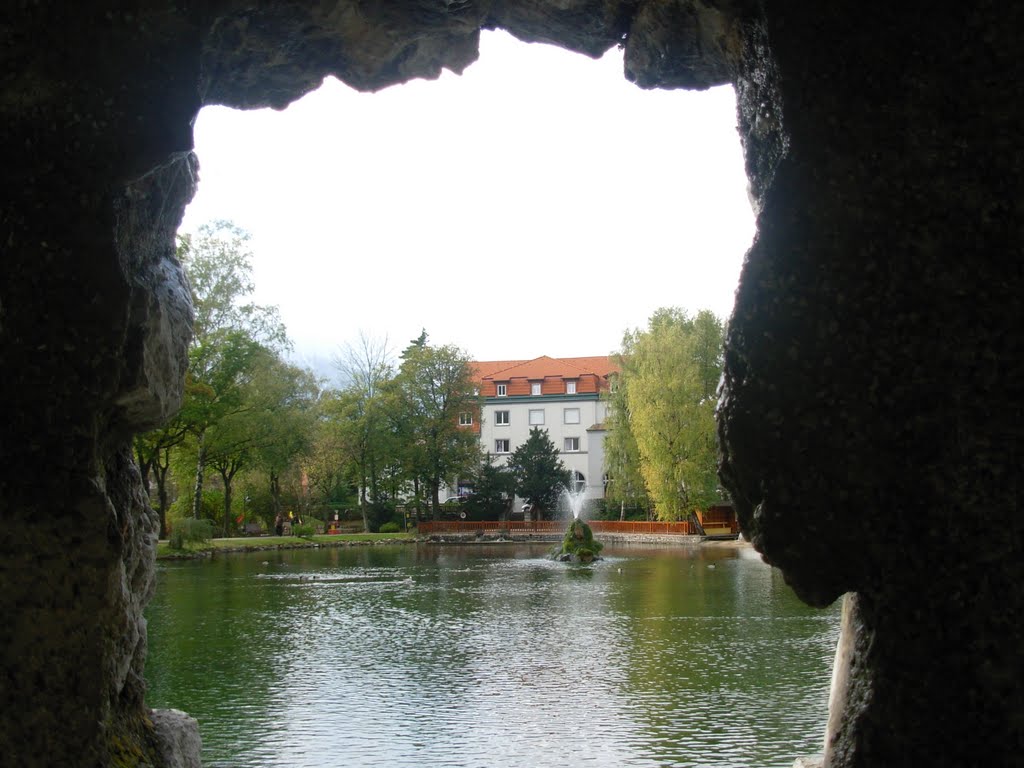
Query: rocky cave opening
point(870, 417)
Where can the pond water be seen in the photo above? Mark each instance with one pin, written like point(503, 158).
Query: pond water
point(491, 655)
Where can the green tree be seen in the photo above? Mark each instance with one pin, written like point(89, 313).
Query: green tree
point(625, 487)
point(669, 373)
point(271, 428)
point(540, 476)
point(220, 369)
point(231, 334)
point(218, 263)
point(153, 454)
point(493, 491)
point(285, 418)
point(362, 431)
point(433, 386)
point(326, 463)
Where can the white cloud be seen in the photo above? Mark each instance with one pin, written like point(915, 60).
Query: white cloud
point(539, 204)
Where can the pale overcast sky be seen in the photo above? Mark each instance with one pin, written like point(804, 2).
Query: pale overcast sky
point(539, 204)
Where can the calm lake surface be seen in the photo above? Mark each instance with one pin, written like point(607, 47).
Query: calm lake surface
point(491, 656)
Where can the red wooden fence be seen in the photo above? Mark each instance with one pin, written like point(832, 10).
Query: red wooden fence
point(429, 527)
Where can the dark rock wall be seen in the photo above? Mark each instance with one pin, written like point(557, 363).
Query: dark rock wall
point(871, 408)
point(94, 322)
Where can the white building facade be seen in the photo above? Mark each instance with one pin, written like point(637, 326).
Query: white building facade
point(563, 396)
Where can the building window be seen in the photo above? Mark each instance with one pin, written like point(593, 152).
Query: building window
point(570, 387)
point(571, 416)
point(579, 482)
point(465, 419)
point(536, 417)
point(572, 445)
point(501, 446)
point(501, 417)
point(502, 390)
point(534, 387)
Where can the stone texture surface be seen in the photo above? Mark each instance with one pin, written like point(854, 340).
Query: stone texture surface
point(587, 26)
point(683, 44)
point(871, 411)
point(177, 738)
point(270, 55)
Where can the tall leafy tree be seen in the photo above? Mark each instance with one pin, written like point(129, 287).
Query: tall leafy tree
point(669, 375)
point(231, 332)
point(625, 487)
point(540, 476)
point(283, 421)
point(361, 417)
point(327, 465)
point(271, 428)
point(494, 489)
point(153, 454)
point(353, 432)
point(218, 263)
point(433, 386)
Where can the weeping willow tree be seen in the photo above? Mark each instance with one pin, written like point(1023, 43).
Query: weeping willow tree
point(625, 487)
point(662, 427)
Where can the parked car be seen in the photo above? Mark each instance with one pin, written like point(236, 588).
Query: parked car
point(452, 508)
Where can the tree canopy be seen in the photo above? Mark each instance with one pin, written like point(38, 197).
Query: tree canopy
point(244, 405)
point(662, 421)
point(540, 476)
point(433, 386)
point(493, 490)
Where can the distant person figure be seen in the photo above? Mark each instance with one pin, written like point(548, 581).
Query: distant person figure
point(279, 525)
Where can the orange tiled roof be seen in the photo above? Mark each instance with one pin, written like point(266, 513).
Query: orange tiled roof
point(543, 367)
point(483, 370)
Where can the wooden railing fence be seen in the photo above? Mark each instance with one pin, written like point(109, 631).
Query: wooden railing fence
point(513, 527)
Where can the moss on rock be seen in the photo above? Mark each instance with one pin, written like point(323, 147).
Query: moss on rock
point(578, 544)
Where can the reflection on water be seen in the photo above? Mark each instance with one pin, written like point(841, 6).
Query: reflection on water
point(491, 655)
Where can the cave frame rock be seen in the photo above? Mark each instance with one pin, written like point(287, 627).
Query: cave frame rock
point(870, 414)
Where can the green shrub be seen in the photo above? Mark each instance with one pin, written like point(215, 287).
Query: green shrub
point(380, 514)
point(304, 530)
point(188, 530)
point(390, 527)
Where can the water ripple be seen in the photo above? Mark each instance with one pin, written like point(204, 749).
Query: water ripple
point(468, 657)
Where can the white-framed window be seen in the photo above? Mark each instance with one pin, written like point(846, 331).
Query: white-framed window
point(570, 386)
point(501, 418)
point(501, 446)
point(534, 388)
point(502, 390)
point(536, 417)
point(571, 416)
point(572, 445)
point(465, 419)
point(579, 482)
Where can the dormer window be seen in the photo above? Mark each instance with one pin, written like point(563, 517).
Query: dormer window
point(535, 388)
point(570, 386)
point(502, 390)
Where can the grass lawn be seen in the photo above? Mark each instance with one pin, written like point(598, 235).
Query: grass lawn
point(253, 543)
